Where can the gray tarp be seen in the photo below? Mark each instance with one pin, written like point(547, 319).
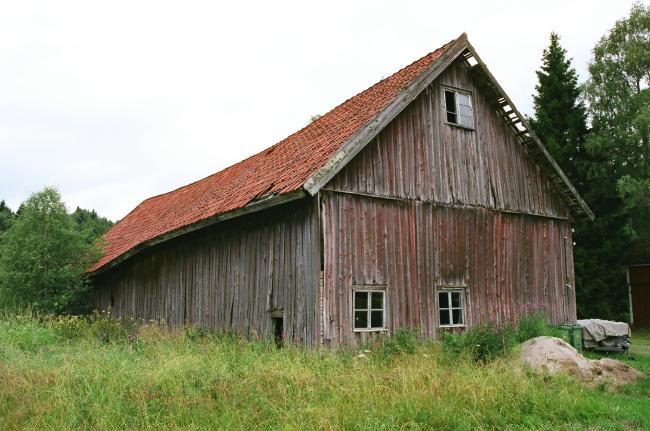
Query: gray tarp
point(601, 329)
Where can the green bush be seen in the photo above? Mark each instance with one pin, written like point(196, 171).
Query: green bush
point(106, 329)
point(404, 340)
point(531, 326)
point(69, 327)
point(196, 333)
point(481, 343)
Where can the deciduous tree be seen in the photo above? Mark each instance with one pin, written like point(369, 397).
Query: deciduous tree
point(615, 174)
point(618, 95)
point(43, 257)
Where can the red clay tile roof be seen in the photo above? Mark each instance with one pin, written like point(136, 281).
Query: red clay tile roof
point(280, 169)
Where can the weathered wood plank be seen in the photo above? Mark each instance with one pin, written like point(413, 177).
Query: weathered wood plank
point(226, 275)
point(494, 255)
point(485, 167)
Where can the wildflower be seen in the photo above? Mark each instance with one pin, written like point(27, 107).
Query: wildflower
point(366, 351)
point(361, 355)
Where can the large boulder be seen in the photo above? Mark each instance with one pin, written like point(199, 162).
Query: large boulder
point(554, 355)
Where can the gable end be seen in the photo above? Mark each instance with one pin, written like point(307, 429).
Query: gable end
point(353, 146)
point(500, 102)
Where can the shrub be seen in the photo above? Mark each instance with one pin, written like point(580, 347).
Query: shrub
point(99, 327)
point(195, 333)
point(107, 330)
point(404, 340)
point(69, 327)
point(453, 344)
point(481, 343)
point(531, 326)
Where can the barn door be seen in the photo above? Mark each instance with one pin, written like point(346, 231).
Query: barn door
point(277, 327)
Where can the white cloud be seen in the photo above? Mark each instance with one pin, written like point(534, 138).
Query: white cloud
point(117, 101)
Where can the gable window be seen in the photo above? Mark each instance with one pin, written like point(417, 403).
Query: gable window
point(369, 309)
point(451, 308)
point(458, 107)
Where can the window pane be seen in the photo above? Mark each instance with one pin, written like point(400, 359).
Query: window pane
point(450, 101)
point(458, 317)
point(377, 300)
point(465, 121)
point(443, 300)
point(463, 99)
point(451, 118)
point(444, 317)
point(360, 319)
point(377, 319)
point(361, 300)
point(455, 299)
point(465, 111)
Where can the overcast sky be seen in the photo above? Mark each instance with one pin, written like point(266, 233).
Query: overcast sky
point(113, 102)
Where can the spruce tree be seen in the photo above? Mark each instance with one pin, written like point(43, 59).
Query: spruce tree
point(561, 123)
point(6, 216)
point(560, 118)
point(91, 225)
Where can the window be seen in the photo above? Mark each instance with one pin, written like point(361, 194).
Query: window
point(369, 310)
point(459, 108)
point(450, 307)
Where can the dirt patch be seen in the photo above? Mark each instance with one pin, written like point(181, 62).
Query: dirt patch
point(554, 355)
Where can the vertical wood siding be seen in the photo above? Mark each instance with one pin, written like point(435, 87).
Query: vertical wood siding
point(428, 205)
point(639, 280)
point(508, 264)
point(418, 156)
point(228, 276)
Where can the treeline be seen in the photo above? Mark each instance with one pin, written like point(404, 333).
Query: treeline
point(44, 252)
point(598, 132)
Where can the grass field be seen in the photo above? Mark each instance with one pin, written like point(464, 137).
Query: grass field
point(65, 373)
point(641, 344)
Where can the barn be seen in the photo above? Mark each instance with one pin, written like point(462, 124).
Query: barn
point(424, 201)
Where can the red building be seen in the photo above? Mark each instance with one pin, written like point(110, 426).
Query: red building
point(424, 201)
point(638, 280)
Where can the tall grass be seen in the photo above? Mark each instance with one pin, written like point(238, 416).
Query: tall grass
point(489, 341)
point(66, 373)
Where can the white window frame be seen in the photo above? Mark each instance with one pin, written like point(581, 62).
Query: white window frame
point(457, 91)
point(369, 309)
point(463, 311)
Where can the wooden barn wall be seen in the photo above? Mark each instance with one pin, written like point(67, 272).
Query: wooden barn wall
point(418, 156)
point(228, 276)
point(639, 279)
point(508, 264)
